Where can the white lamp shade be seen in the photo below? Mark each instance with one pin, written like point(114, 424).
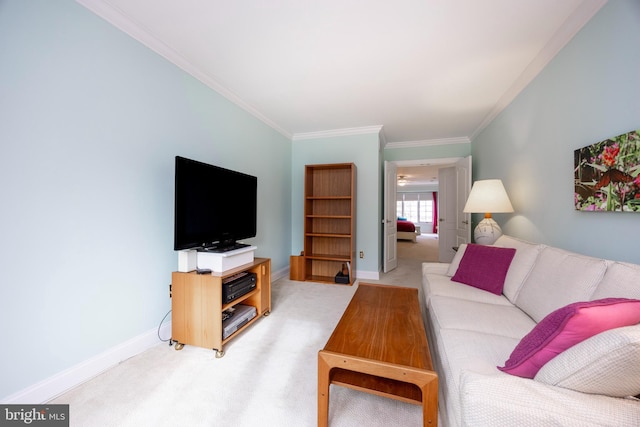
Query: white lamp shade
point(488, 196)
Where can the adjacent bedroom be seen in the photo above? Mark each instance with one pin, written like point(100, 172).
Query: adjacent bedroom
point(417, 213)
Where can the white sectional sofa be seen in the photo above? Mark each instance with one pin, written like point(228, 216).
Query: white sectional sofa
point(472, 332)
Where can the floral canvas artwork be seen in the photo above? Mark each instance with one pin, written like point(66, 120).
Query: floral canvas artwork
point(607, 175)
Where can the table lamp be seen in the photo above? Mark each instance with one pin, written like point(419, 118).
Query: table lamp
point(487, 196)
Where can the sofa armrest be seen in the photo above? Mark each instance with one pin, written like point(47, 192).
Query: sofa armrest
point(499, 399)
point(435, 268)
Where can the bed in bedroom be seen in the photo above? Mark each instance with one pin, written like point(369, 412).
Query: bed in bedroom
point(407, 230)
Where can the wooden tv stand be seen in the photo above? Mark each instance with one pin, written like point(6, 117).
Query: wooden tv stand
point(196, 304)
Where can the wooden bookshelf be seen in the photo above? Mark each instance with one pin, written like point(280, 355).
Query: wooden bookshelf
point(329, 224)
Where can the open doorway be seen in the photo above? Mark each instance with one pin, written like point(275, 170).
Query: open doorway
point(417, 197)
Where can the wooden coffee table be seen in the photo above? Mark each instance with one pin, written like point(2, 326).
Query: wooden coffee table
point(380, 347)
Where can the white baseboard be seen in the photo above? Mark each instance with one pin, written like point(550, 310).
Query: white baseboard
point(283, 272)
point(367, 275)
point(51, 387)
point(64, 381)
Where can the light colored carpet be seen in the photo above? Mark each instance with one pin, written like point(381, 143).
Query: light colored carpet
point(425, 248)
point(410, 258)
point(268, 376)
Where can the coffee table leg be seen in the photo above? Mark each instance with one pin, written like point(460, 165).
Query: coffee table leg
point(429, 401)
point(323, 391)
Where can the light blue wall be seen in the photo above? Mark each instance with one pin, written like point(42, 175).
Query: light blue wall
point(589, 92)
point(90, 122)
point(364, 151)
point(427, 152)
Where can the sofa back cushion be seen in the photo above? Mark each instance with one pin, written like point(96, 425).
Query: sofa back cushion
point(521, 265)
point(622, 280)
point(559, 278)
point(567, 327)
point(607, 363)
point(455, 262)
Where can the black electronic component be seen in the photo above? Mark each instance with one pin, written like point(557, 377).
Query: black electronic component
point(235, 286)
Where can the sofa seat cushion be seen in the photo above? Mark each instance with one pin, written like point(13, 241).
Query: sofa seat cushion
point(466, 350)
point(434, 268)
point(473, 316)
point(559, 278)
point(439, 285)
point(507, 401)
point(607, 363)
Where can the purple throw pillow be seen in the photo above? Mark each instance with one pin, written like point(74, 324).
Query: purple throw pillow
point(566, 327)
point(484, 267)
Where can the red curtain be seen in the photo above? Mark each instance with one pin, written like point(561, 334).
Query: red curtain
point(435, 212)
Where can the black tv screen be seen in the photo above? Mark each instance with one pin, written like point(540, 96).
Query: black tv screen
point(214, 207)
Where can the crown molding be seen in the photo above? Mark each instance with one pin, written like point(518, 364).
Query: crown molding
point(115, 16)
point(120, 20)
point(574, 23)
point(428, 142)
point(365, 130)
point(382, 140)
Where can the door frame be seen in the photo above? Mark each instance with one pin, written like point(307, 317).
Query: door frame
point(442, 162)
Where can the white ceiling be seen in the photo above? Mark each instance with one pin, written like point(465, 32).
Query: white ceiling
point(423, 70)
point(420, 175)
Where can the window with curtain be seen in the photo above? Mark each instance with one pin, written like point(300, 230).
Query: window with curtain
point(416, 207)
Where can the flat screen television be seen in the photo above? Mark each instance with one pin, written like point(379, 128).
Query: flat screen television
point(214, 207)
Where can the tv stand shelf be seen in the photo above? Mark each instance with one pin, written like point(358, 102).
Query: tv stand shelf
point(196, 304)
point(239, 300)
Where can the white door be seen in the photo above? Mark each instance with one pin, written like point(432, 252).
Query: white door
point(390, 227)
point(463, 181)
point(447, 213)
point(454, 226)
